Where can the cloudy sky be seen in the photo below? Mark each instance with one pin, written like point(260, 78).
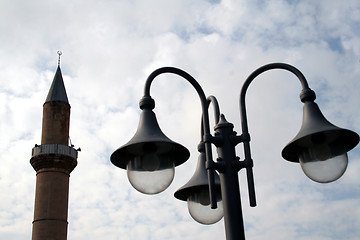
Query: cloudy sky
point(110, 47)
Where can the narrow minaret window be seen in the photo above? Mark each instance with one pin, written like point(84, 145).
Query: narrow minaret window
point(53, 162)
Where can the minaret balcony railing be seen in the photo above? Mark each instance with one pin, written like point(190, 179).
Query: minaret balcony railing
point(57, 149)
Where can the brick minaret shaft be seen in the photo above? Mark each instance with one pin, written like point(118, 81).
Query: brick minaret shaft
point(53, 162)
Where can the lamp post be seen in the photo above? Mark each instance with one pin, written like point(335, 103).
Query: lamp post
point(150, 156)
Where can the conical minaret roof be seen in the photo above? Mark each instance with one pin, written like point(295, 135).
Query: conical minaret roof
point(57, 90)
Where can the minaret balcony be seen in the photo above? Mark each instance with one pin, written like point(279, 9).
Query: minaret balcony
point(54, 156)
point(57, 149)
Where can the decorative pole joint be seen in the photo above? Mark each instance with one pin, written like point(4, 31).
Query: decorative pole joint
point(307, 95)
point(236, 139)
point(238, 165)
point(201, 147)
point(147, 103)
point(219, 165)
point(217, 140)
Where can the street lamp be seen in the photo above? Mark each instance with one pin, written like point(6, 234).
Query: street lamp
point(196, 190)
point(150, 157)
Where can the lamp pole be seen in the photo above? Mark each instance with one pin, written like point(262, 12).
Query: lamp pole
point(150, 153)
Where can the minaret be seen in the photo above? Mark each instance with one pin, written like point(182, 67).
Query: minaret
point(53, 162)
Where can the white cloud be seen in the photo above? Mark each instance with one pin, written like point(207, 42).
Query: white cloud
point(109, 49)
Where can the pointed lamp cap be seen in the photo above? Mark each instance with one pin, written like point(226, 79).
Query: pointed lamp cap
point(316, 128)
point(149, 137)
point(198, 181)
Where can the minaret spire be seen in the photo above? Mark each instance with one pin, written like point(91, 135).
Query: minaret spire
point(59, 53)
point(57, 90)
point(53, 162)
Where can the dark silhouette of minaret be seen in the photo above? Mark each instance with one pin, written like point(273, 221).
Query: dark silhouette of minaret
point(53, 162)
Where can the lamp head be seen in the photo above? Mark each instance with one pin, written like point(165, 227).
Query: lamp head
point(150, 156)
point(320, 147)
point(196, 193)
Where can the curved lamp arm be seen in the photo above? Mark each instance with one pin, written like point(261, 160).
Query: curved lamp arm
point(306, 95)
point(148, 102)
point(216, 108)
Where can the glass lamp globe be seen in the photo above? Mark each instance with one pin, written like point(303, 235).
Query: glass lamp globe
point(200, 208)
point(151, 173)
point(322, 162)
